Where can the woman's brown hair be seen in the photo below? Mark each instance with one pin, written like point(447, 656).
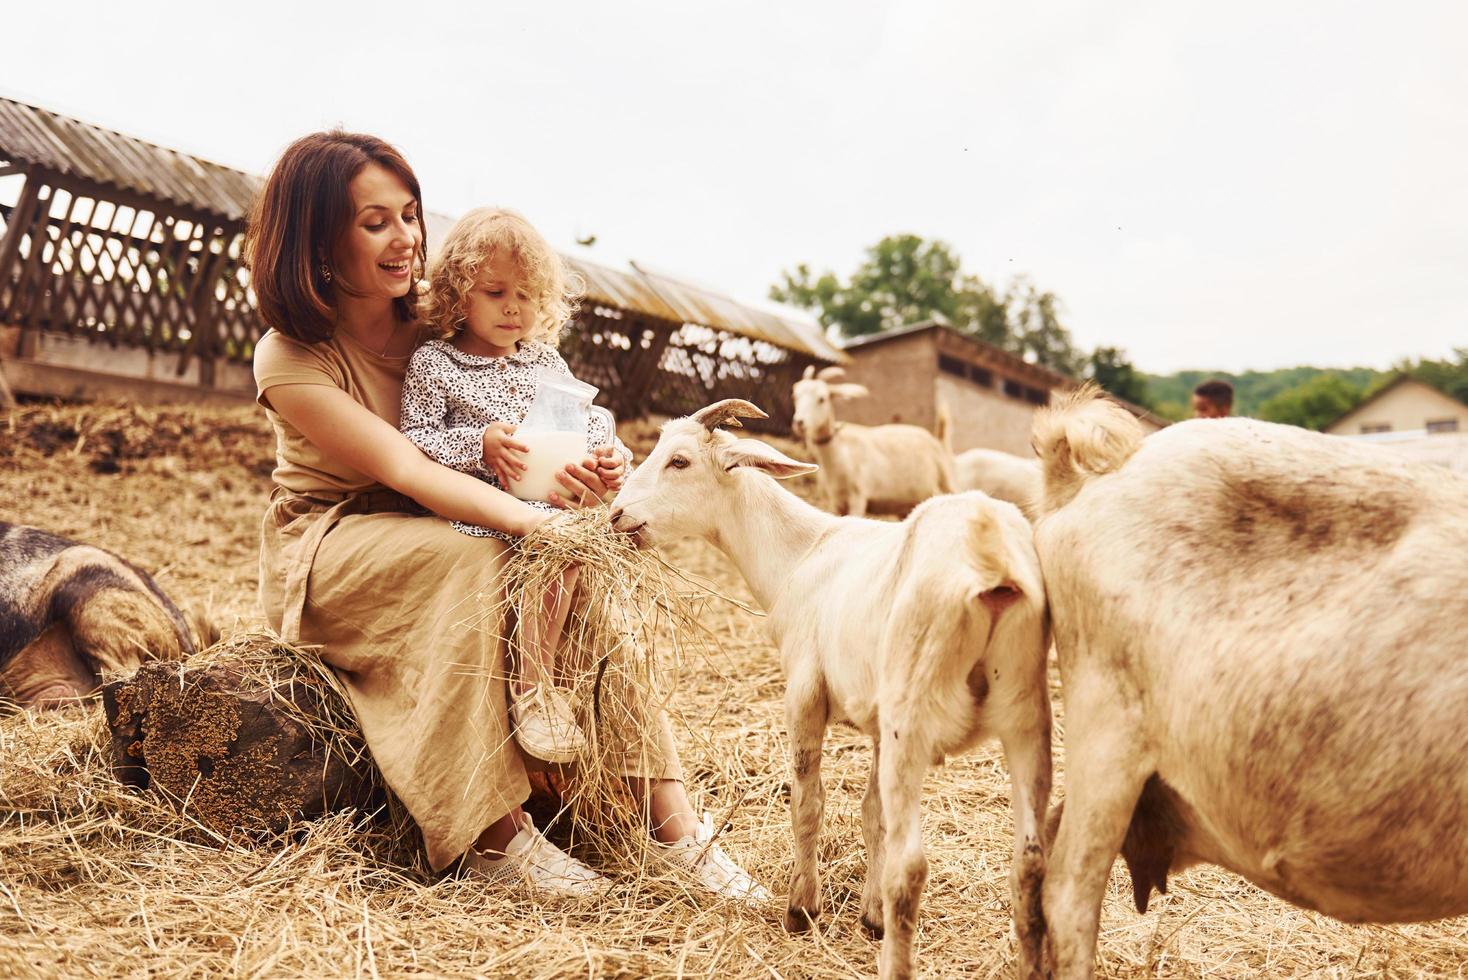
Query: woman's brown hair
point(299, 216)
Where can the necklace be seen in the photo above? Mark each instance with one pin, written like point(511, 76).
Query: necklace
point(391, 335)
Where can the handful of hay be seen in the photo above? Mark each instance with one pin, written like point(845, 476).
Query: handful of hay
point(634, 622)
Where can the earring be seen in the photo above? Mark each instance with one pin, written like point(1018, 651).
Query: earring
point(326, 272)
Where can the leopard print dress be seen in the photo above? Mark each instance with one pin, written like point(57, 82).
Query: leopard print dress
point(450, 396)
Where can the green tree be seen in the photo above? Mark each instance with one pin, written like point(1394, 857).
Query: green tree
point(1110, 368)
point(1036, 333)
point(906, 279)
point(1449, 377)
point(1314, 404)
point(902, 280)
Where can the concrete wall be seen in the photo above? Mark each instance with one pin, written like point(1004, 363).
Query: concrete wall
point(899, 374)
point(986, 418)
point(76, 369)
point(906, 385)
point(1408, 407)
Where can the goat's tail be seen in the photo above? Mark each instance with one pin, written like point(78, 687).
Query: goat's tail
point(943, 426)
point(1083, 435)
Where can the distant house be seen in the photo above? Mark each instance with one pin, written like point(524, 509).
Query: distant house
point(1413, 419)
point(990, 393)
point(1402, 409)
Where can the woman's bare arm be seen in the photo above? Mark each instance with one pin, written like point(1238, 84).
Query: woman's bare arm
point(346, 431)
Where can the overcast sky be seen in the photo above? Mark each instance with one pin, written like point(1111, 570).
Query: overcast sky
point(1214, 185)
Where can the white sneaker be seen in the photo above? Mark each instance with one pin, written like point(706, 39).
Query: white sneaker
point(710, 867)
point(545, 725)
point(536, 862)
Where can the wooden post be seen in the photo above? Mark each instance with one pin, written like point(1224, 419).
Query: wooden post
point(20, 220)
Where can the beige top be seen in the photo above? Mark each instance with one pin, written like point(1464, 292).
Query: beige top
point(373, 381)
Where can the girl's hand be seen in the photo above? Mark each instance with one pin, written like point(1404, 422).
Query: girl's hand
point(610, 466)
point(584, 486)
point(501, 452)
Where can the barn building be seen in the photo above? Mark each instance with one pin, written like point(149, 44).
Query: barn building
point(990, 393)
point(121, 277)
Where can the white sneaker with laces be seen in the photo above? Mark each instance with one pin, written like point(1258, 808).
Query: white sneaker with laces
point(539, 864)
point(705, 861)
point(545, 724)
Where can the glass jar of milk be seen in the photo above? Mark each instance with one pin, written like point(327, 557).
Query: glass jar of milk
point(556, 429)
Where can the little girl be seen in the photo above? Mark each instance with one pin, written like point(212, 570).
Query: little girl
point(497, 299)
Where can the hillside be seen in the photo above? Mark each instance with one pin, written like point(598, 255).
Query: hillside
point(1170, 394)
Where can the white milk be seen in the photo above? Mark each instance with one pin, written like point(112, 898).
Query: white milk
point(549, 453)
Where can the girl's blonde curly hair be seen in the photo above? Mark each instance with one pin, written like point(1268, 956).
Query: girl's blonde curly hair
point(475, 240)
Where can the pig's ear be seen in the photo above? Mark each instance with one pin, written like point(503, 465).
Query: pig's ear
point(757, 455)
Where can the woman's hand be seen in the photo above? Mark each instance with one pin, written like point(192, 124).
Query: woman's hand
point(502, 452)
point(583, 483)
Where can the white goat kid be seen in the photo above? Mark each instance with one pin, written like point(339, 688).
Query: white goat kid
point(880, 469)
point(1260, 633)
point(1002, 476)
point(927, 635)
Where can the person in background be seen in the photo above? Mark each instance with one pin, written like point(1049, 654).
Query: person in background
point(1213, 399)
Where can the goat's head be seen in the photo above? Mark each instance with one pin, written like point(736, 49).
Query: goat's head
point(682, 487)
point(815, 395)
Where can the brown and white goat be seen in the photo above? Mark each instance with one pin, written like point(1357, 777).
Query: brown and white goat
point(878, 469)
point(1260, 633)
point(928, 635)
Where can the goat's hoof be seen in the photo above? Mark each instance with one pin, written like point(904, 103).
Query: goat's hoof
point(873, 929)
point(800, 920)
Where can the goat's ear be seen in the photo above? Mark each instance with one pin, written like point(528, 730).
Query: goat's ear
point(810, 372)
point(758, 455)
point(848, 390)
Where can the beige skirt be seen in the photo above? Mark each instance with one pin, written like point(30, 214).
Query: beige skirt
point(392, 598)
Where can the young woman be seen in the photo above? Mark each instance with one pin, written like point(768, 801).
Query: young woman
point(358, 553)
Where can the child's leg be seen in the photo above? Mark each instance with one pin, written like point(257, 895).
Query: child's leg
point(541, 634)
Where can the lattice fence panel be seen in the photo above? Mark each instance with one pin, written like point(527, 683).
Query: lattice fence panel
point(130, 275)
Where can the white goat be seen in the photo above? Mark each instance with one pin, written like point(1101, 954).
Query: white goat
point(1260, 633)
point(881, 469)
point(927, 635)
point(1002, 476)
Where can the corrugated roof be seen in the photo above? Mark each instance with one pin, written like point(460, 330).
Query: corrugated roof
point(624, 290)
point(662, 296)
point(32, 135)
point(696, 304)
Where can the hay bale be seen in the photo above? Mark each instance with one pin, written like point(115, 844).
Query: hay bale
point(248, 737)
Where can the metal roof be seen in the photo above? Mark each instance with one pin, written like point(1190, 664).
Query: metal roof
point(624, 290)
point(31, 135)
point(667, 298)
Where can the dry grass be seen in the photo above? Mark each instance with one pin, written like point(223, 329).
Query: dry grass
point(98, 881)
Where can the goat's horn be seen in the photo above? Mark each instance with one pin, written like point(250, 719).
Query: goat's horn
point(810, 372)
point(832, 373)
point(727, 412)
